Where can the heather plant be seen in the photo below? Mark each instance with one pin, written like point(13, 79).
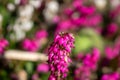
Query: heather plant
point(59, 55)
point(88, 65)
point(27, 27)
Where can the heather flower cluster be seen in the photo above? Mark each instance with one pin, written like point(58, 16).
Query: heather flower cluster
point(59, 55)
point(3, 44)
point(88, 66)
point(78, 15)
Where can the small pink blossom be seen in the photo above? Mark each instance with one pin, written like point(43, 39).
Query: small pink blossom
point(41, 34)
point(111, 76)
point(3, 44)
point(35, 76)
point(112, 28)
point(30, 45)
point(43, 68)
point(111, 52)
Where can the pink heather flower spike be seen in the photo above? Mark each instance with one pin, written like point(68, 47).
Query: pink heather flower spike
point(58, 55)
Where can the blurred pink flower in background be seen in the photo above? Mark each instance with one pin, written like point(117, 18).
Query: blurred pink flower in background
point(79, 56)
point(111, 52)
point(82, 73)
point(117, 43)
point(56, 19)
point(94, 20)
point(115, 12)
point(64, 25)
point(35, 76)
point(79, 16)
point(30, 45)
point(51, 77)
point(3, 44)
point(89, 65)
point(36, 43)
point(41, 34)
point(112, 29)
point(111, 76)
point(68, 11)
point(43, 68)
point(87, 10)
point(91, 60)
point(77, 3)
point(23, 2)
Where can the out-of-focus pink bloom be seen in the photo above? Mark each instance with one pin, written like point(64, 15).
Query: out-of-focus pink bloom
point(52, 77)
point(23, 2)
point(114, 13)
point(64, 25)
point(79, 15)
point(30, 45)
point(117, 43)
point(36, 43)
point(56, 19)
point(3, 44)
point(111, 76)
point(87, 10)
point(91, 60)
point(43, 68)
point(79, 21)
point(79, 56)
point(89, 65)
point(112, 28)
point(68, 11)
point(96, 55)
point(41, 34)
point(35, 77)
point(94, 20)
point(111, 52)
point(82, 73)
point(77, 3)
point(98, 29)
point(13, 76)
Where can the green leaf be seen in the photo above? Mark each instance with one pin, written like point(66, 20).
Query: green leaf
point(82, 43)
point(29, 67)
point(86, 39)
point(5, 14)
point(45, 76)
